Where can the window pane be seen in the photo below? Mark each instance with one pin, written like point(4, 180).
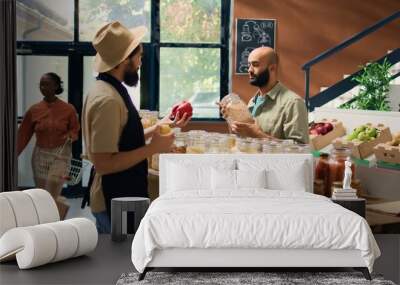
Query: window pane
point(190, 21)
point(190, 74)
point(29, 71)
point(45, 20)
point(94, 13)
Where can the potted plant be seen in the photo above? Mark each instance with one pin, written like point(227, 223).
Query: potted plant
point(374, 88)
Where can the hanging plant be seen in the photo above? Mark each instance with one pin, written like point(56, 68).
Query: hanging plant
point(374, 83)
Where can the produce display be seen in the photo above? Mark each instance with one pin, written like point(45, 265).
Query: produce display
point(363, 133)
point(178, 110)
point(323, 132)
point(389, 151)
point(363, 139)
point(320, 128)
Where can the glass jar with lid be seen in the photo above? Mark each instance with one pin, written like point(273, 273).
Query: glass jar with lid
point(254, 147)
point(287, 142)
point(224, 144)
point(236, 109)
point(145, 118)
point(153, 116)
point(319, 187)
point(322, 173)
point(196, 144)
point(272, 147)
point(213, 145)
point(179, 143)
point(292, 149)
point(305, 148)
point(242, 145)
point(231, 140)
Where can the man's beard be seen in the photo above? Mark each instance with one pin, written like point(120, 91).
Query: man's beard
point(131, 78)
point(261, 79)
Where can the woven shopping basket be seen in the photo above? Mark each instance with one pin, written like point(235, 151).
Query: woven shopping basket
point(57, 166)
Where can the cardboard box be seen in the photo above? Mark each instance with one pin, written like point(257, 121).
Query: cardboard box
point(320, 141)
point(387, 153)
point(362, 150)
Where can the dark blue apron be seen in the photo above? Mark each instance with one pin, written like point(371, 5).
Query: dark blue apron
point(131, 182)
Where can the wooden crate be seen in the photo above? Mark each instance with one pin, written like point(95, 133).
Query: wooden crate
point(362, 150)
point(320, 141)
point(387, 153)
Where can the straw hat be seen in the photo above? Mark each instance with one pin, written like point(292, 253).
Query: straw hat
point(113, 43)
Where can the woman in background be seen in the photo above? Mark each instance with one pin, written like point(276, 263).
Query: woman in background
point(56, 126)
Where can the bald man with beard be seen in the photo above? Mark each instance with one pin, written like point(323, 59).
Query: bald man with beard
point(277, 111)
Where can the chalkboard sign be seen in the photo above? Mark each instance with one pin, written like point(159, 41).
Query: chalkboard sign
point(250, 34)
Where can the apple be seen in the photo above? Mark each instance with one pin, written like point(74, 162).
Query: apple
point(360, 129)
point(174, 109)
point(371, 132)
point(362, 136)
point(184, 107)
point(321, 130)
point(178, 110)
point(351, 136)
point(328, 126)
point(314, 132)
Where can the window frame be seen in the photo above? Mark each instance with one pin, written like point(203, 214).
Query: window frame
point(150, 75)
point(150, 72)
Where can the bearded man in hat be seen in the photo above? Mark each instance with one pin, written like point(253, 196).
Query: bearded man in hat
point(112, 130)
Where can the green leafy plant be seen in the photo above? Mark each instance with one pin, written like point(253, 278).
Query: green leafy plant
point(374, 88)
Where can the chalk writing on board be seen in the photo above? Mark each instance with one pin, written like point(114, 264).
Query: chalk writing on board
point(250, 34)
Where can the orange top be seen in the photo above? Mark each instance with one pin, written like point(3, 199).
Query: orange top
point(51, 122)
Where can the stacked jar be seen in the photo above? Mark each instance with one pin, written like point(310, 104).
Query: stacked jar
point(153, 116)
point(224, 144)
point(255, 146)
point(231, 140)
point(322, 176)
point(272, 147)
point(180, 143)
point(196, 142)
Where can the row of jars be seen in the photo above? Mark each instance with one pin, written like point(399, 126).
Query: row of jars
point(198, 141)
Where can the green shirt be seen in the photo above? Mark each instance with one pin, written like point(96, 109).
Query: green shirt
point(281, 113)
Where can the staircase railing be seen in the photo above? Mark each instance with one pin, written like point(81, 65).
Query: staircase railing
point(307, 66)
point(347, 84)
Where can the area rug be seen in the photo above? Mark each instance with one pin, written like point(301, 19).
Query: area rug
point(243, 278)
